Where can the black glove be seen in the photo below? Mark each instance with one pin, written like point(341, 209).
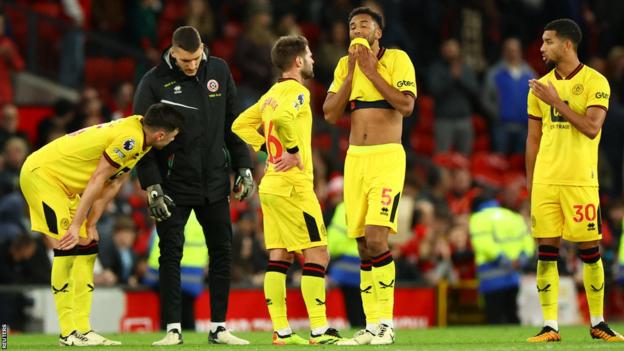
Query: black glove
point(243, 184)
point(159, 203)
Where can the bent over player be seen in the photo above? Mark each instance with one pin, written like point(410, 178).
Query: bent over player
point(292, 215)
point(566, 109)
point(378, 86)
point(68, 184)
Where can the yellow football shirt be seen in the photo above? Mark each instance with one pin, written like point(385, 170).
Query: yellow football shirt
point(72, 158)
point(394, 66)
point(286, 118)
point(566, 156)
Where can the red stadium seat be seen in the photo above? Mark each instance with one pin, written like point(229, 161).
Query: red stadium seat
point(125, 70)
point(480, 125)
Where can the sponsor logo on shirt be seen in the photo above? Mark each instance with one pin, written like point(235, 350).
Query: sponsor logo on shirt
point(602, 95)
point(405, 83)
point(119, 153)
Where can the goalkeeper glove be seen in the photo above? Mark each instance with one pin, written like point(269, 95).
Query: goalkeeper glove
point(243, 184)
point(159, 203)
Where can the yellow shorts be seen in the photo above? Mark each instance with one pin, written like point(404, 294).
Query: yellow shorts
point(373, 181)
point(292, 222)
point(51, 208)
point(571, 212)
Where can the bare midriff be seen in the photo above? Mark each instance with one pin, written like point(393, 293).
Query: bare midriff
point(375, 126)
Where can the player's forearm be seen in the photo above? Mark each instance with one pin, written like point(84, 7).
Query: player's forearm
point(101, 203)
point(400, 101)
point(589, 127)
point(249, 135)
point(532, 146)
point(335, 104)
point(91, 193)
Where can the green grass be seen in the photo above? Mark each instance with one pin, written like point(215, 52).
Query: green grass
point(452, 338)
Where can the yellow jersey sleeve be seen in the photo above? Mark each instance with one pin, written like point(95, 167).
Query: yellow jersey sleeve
point(285, 115)
point(598, 93)
point(340, 73)
point(403, 73)
point(533, 108)
point(120, 151)
point(247, 123)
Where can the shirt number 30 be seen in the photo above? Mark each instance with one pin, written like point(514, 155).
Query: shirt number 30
point(584, 212)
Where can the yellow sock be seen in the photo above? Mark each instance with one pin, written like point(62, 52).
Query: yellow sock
point(384, 274)
point(82, 275)
point(275, 293)
point(548, 288)
point(63, 289)
point(313, 291)
point(593, 280)
point(368, 293)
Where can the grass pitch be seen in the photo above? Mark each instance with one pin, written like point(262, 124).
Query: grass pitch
point(505, 338)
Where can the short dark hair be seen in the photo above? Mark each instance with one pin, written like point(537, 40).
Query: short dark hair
point(161, 115)
point(566, 29)
point(186, 38)
point(286, 49)
point(377, 17)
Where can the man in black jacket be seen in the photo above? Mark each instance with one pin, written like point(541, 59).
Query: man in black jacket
point(193, 173)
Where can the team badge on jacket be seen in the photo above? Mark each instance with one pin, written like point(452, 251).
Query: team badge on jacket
point(212, 85)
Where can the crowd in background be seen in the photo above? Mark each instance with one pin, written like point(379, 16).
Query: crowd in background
point(465, 139)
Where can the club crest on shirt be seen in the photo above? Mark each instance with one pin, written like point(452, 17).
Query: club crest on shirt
point(212, 85)
point(65, 223)
point(577, 89)
point(128, 144)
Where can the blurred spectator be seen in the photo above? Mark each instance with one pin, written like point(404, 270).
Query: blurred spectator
point(9, 120)
point(23, 260)
point(58, 124)
point(344, 267)
point(121, 259)
point(287, 25)
point(612, 143)
point(454, 87)
point(502, 247)
point(15, 152)
point(145, 28)
point(462, 254)
point(73, 45)
point(10, 59)
point(109, 17)
point(200, 16)
point(248, 252)
point(121, 106)
point(91, 110)
point(253, 55)
point(505, 98)
point(333, 46)
point(462, 192)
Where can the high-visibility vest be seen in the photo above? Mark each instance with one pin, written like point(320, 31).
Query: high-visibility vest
point(194, 258)
point(499, 236)
point(344, 267)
